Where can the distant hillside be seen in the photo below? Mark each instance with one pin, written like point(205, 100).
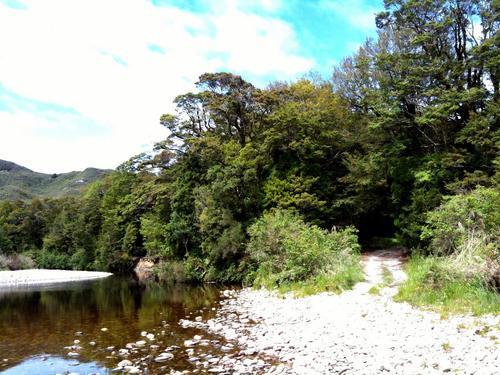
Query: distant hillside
point(18, 182)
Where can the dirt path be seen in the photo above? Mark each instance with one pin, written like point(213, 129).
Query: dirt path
point(374, 264)
point(356, 332)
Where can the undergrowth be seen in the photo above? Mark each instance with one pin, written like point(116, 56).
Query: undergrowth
point(433, 283)
point(293, 256)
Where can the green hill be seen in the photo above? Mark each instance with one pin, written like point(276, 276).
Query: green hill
point(18, 182)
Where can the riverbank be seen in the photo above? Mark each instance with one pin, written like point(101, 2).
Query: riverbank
point(42, 277)
point(356, 332)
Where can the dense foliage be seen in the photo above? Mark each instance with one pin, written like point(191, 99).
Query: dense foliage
point(410, 118)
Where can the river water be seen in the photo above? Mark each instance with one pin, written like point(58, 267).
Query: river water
point(38, 326)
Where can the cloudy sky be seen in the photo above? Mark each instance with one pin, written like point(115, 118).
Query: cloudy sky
point(84, 82)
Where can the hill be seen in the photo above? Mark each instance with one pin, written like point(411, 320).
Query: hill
point(18, 182)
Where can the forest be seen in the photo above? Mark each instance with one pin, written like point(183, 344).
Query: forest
point(285, 184)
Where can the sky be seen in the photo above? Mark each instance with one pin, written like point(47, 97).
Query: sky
point(84, 82)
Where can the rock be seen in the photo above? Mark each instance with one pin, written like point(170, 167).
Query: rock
point(76, 342)
point(125, 363)
point(73, 354)
point(133, 370)
point(163, 357)
point(144, 269)
point(140, 343)
point(150, 336)
point(198, 319)
point(216, 370)
point(144, 333)
point(92, 343)
point(104, 329)
point(197, 337)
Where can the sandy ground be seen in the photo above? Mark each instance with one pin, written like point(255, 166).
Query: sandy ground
point(43, 277)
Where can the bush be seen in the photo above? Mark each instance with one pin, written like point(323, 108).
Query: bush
point(285, 250)
point(190, 270)
point(52, 260)
point(16, 262)
point(170, 272)
point(466, 228)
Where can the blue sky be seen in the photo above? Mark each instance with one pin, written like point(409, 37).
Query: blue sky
point(83, 82)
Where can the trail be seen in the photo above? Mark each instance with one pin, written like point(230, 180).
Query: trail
point(374, 263)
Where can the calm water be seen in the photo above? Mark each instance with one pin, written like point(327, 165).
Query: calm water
point(37, 326)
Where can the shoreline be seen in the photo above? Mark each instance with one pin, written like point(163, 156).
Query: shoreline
point(35, 277)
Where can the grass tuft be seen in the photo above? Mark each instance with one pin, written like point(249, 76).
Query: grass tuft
point(387, 277)
point(433, 284)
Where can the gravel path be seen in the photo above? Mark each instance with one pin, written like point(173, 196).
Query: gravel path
point(355, 332)
point(10, 279)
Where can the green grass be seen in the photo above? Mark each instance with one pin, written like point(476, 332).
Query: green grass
point(333, 283)
point(387, 277)
point(387, 280)
point(432, 284)
point(446, 346)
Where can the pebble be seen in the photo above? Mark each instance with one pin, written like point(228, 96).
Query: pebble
point(163, 357)
point(125, 363)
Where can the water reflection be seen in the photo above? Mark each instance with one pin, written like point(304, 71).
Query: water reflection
point(53, 365)
point(45, 321)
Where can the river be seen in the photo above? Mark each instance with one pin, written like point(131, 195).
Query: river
point(39, 326)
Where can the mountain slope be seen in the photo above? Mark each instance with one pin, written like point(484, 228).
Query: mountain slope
point(18, 182)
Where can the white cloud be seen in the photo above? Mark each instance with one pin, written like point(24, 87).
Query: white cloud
point(356, 12)
point(93, 56)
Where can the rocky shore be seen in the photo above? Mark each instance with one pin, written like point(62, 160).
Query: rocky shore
point(352, 333)
point(42, 277)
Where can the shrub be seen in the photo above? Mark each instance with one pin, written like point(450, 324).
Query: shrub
point(467, 229)
point(190, 270)
point(16, 262)
point(81, 259)
point(286, 250)
point(52, 260)
point(170, 272)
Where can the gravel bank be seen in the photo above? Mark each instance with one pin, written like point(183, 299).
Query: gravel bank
point(42, 277)
point(354, 333)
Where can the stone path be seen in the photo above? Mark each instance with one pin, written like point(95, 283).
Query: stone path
point(355, 332)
